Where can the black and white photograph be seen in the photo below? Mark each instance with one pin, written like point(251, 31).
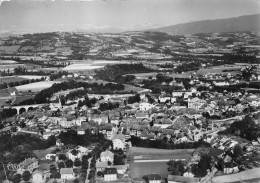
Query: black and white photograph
point(129, 91)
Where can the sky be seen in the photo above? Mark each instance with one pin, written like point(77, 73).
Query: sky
point(115, 15)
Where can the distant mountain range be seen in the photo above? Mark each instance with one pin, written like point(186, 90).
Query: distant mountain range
point(242, 23)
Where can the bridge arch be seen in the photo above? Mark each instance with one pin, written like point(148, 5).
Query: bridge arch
point(22, 110)
point(30, 108)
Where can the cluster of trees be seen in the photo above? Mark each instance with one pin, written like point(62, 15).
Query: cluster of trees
point(58, 75)
point(19, 147)
point(176, 167)
point(23, 71)
point(7, 113)
point(231, 58)
point(108, 106)
point(157, 87)
point(134, 99)
point(44, 95)
point(94, 154)
point(87, 102)
point(17, 177)
point(162, 78)
point(245, 128)
point(119, 157)
point(125, 79)
point(111, 72)
point(192, 66)
point(71, 137)
point(163, 144)
point(203, 166)
point(6, 73)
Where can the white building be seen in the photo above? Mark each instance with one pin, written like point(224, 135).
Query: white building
point(118, 141)
point(107, 156)
point(110, 174)
point(144, 106)
point(38, 177)
point(67, 173)
point(154, 178)
point(196, 103)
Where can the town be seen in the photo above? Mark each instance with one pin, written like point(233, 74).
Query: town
point(130, 107)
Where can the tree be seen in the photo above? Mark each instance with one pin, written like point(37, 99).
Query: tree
point(160, 78)
point(176, 167)
point(62, 157)
point(118, 160)
point(74, 152)
point(26, 175)
point(17, 178)
point(204, 165)
point(61, 165)
point(77, 162)
point(69, 163)
point(100, 174)
point(53, 169)
point(237, 151)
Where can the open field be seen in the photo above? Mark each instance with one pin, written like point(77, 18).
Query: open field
point(155, 160)
point(8, 79)
point(144, 75)
point(219, 69)
point(49, 69)
point(75, 67)
point(31, 76)
point(4, 96)
point(10, 66)
point(35, 87)
point(252, 175)
point(3, 62)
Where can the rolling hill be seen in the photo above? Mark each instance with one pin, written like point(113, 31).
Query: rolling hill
point(242, 23)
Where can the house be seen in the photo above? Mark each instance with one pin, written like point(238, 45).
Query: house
point(164, 98)
point(50, 156)
point(13, 91)
point(67, 173)
point(107, 156)
point(42, 154)
point(180, 179)
point(154, 178)
point(144, 106)
point(196, 103)
point(29, 164)
point(121, 169)
point(44, 165)
point(46, 135)
point(74, 154)
point(110, 174)
point(101, 166)
point(118, 141)
point(230, 167)
point(58, 142)
point(38, 177)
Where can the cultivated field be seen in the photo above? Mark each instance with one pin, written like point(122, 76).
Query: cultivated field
point(156, 160)
point(81, 67)
point(35, 87)
point(8, 79)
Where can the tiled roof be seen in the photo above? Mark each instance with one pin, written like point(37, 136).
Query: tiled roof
point(154, 177)
point(110, 171)
point(66, 171)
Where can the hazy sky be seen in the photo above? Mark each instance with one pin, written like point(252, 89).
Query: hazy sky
point(111, 15)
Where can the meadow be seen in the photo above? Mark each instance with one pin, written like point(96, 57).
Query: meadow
point(158, 163)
